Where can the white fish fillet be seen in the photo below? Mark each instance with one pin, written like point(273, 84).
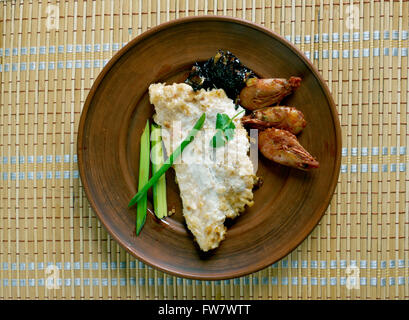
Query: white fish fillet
point(214, 183)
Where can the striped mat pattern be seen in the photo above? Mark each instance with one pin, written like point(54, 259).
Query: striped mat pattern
point(52, 246)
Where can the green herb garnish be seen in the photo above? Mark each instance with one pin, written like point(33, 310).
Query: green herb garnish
point(225, 129)
point(144, 159)
point(168, 163)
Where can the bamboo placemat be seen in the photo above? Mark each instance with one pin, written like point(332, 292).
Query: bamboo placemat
point(53, 246)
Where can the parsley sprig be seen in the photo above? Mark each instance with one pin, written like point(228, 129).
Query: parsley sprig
point(225, 129)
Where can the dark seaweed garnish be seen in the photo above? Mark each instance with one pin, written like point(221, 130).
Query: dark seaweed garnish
point(223, 71)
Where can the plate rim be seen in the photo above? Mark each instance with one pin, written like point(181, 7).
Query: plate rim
point(333, 110)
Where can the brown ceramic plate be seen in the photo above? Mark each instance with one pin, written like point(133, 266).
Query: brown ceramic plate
point(288, 205)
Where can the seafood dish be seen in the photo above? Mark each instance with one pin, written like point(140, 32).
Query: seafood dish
point(215, 175)
point(262, 97)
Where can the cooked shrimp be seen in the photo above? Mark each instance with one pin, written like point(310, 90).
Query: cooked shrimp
point(283, 147)
point(260, 93)
point(286, 118)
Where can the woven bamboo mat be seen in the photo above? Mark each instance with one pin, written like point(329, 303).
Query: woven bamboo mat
point(53, 246)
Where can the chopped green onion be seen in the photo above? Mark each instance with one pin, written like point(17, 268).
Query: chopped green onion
point(168, 163)
point(159, 188)
point(144, 160)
